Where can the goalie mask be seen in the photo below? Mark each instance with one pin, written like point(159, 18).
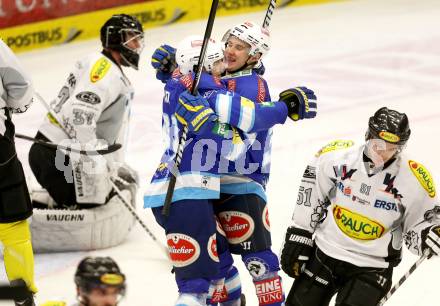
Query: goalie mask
point(99, 273)
point(124, 33)
point(188, 52)
point(256, 36)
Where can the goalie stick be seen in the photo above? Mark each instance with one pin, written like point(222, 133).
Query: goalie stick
point(106, 150)
point(134, 213)
point(195, 84)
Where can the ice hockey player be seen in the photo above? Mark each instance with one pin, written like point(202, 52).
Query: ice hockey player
point(241, 53)
point(16, 94)
point(92, 107)
point(99, 282)
point(356, 205)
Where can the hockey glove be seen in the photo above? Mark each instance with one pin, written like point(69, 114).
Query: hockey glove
point(164, 61)
point(301, 103)
point(431, 239)
point(297, 248)
point(194, 111)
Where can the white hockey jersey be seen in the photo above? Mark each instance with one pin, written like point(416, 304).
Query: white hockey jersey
point(16, 89)
point(93, 105)
point(366, 217)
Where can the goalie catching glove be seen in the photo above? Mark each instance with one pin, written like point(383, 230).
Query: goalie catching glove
point(301, 103)
point(431, 239)
point(194, 111)
point(297, 248)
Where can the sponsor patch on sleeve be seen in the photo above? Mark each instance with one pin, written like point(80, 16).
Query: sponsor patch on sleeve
point(423, 176)
point(99, 69)
point(334, 146)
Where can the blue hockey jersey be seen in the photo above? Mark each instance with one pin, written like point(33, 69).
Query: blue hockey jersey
point(224, 152)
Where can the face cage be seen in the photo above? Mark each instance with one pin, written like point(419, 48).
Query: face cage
point(133, 35)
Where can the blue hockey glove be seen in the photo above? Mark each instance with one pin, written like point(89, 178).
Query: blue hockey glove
point(164, 61)
point(194, 111)
point(301, 103)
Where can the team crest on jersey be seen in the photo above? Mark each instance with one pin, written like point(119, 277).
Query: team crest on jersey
point(212, 248)
point(334, 146)
point(99, 69)
point(183, 249)
point(88, 97)
point(357, 226)
point(238, 226)
point(423, 176)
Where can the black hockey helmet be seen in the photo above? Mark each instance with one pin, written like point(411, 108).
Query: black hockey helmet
point(117, 32)
point(390, 126)
point(94, 272)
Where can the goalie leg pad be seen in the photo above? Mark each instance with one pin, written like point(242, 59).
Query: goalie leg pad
point(59, 230)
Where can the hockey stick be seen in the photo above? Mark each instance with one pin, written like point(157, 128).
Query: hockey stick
point(110, 149)
point(195, 84)
point(426, 254)
point(135, 214)
point(269, 13)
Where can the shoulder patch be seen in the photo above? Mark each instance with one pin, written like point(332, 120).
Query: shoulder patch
point(423, 176)
point(99, 69)
point(334, 146)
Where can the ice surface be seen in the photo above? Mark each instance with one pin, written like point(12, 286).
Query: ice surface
point(356, 55)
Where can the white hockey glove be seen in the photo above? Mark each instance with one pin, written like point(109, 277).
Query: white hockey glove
point(431, 239)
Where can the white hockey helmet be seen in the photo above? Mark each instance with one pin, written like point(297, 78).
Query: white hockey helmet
point(253, 34)
point(188, 52)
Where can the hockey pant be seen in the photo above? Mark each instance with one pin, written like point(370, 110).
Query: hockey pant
point(18, 255)
point(245, 222)
point(325, 276)
point(191, 238)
